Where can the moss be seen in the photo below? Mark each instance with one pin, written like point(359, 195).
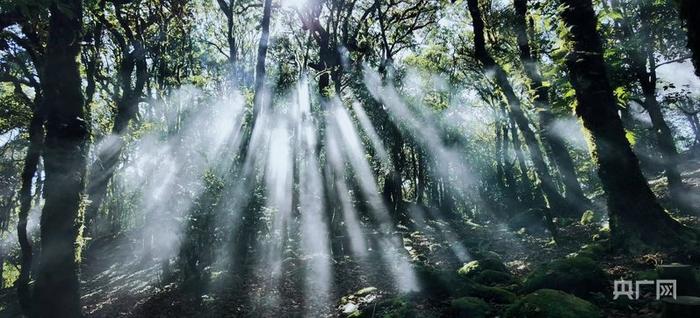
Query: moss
point(469, 307)
point(578, 275)
point(395, 307)
point(474, 268)
point(548, 303)
point(651, 274)
point(492, 277)
point(365, 291)
point(592, 251)
point(587, 217)
point(441, 284)
point(493, 294)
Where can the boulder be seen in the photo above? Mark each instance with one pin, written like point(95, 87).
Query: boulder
point(549, 303)
point(686, 281)
point(681, 307)
point(578, 275)
point(469, 307)
point(474, 268)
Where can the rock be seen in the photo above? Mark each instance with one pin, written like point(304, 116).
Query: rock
point(395, 307)
point(549, 303)
point(492, 294)
point(532, 220)
point(681, 307)
point(474, 268)
point(492, 277)
point(469, 307)
point(593, 251)
point(351, 305)
point(441, 284)
point(577, 275)
point(587, 217)
point(686, 280)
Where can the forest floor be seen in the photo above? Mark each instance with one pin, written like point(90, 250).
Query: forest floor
point(115, 283)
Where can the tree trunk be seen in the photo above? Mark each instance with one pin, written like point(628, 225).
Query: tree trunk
point(548, 188)
point(260, 94)
point(65, 154)
point(572, 188)
point(690, 12)
point(634, 212)
point(102, 170)
point(640, 56)
point(31, 161)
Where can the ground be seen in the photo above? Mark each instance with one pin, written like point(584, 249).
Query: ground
point(117, 283)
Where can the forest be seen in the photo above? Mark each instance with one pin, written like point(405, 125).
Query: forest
point(350, 158)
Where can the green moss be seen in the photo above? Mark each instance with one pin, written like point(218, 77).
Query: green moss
point(469, 307)
point(493, 294)
point(474, 268)
point(578, 275)
point(492, 277)
point(441, 284)
point(548, 303)
point(395, 307)
point(592, 251)
point(587, 218)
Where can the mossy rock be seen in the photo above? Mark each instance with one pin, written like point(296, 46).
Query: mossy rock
point(549, 303)
point(469, 307)
point(587, 218)
point(592, 251)
point(492, 277)
point(532, 220)
point(395, 307)
point(493, 294)
point(577, 275)
point(474, 268)
point(441, 284)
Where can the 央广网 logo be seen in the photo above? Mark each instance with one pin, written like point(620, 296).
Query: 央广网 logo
point(631, 289)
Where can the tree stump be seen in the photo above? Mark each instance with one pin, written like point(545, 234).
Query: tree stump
point(681, 307)
point(686, 280)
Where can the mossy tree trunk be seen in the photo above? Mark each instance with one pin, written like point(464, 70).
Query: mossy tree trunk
point(634, 212)
point(690, 12)
point(132, 63)
point(65, 154)
point(556, 201)
point(560, 154)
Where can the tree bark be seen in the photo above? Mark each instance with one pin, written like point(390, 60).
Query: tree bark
point(572, 188)
point(556, 201)
point(65, 154)
point(260, 94)
point(103, 168)
point(690, 12)
point(634, 212)
point(31, 161)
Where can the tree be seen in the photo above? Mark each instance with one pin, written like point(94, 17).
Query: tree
point(642, 52)
point(548, 187)
point(31, 20)
point(65, 156)
point(635, 215)
point(690, 12)
point(132, 63)
point(560, 154)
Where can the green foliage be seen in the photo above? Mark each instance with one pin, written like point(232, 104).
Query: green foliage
point(9, 275)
